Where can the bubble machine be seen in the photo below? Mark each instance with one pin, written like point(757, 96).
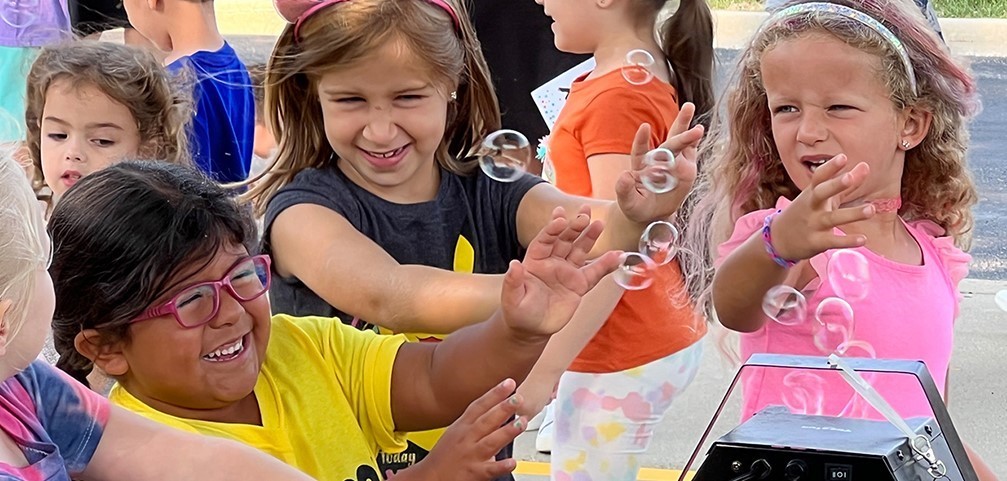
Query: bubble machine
point(776, 444)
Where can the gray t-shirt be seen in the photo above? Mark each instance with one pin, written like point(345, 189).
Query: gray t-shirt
point(475, 207)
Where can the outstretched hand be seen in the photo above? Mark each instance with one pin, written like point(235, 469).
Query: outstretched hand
point(641, 205)
point(468, 447)
point(541, 294)
point(806, 227)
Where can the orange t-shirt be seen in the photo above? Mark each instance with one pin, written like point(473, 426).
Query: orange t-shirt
point(601, 116)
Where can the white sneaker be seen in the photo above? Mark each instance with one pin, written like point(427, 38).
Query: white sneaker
point(543, 442)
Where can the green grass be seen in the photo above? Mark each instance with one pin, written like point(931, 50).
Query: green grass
point(945, 8)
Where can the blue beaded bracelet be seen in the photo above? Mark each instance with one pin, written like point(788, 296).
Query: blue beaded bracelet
point(767, 239)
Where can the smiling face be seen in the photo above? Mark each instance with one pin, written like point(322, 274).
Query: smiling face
point(211, 367)
point(385, 117)
point(827, 98)
point(83, 131)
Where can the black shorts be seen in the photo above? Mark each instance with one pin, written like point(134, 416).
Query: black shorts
point(94, 16)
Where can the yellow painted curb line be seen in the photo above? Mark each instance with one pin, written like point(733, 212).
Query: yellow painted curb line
point(532, 468)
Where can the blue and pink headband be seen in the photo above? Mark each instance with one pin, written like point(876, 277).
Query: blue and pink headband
point(858, 16)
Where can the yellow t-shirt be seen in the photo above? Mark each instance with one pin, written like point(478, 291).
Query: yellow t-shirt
point(324, 393)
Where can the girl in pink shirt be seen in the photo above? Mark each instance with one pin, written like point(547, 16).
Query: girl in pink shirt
point(845, 128)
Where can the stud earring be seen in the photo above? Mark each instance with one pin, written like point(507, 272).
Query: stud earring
point(453, 95)
point(905, 144)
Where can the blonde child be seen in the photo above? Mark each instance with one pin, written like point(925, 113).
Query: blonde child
point(52, 427)
point(377, 105)
point(634, 348)
point(185, 328)
point(92, 104)
point(845, 128)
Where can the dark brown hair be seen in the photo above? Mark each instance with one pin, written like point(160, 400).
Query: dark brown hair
point(113, 259)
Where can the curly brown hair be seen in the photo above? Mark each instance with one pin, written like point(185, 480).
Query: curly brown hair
point(741, 170)
point(160, 104)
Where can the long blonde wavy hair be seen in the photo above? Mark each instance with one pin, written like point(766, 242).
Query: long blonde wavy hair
point(741, 170)
point(342, 34)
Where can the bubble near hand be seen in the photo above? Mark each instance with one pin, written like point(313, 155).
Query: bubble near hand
point(804, 393)
point(505, 155)
point(857, 349)
point(635, 272)
point(19, 13)
point(835, 325)
point(785, 305)
point(658, 242)
point(657, 174)
point(638, 66)
point(849, 274)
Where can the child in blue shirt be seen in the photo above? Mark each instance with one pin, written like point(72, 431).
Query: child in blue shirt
point(223, 127)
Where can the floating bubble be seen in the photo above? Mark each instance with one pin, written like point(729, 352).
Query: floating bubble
point(785, 305)
point(804, 393)
point(849, 274)
point(856, 348)
point(835, 324)
point(657, 174)
point(658, 242)
point(19, 13)
point(635, 272)
point(505, 156)
point(1001, 299)
point(637, 67)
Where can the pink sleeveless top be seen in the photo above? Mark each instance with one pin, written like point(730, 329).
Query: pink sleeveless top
point(908, 313)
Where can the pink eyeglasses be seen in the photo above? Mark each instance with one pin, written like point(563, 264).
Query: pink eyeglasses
point(198, 304)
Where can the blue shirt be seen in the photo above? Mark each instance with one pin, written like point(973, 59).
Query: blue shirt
point(223, 129)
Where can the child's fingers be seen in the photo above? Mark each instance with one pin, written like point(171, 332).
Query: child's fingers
point(500, 393)
point(846, 241)
point(828, 170)
point(496, 469)
point(641, 145)
point(849, 215)
point(543, 244)
point(835, 186)
point(513, 285)
point(601, 267)
point(583, 245)
point(496, 415)
point(567, 238)
point(502, 436)
point(683, 120)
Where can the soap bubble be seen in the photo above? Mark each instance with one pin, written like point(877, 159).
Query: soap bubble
point(658, 242)
point(19, 13)
point(635, 272)
point(505, 156)
point(849, 274)
point(637, 67)
point(785, 305)
point(835, 324)
point(657, 174)
point(804, 393)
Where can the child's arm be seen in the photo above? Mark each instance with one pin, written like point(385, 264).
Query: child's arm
point(135, 448)
point(636, 207)
point(432, 384)
point(358, 277)
point(804, 229)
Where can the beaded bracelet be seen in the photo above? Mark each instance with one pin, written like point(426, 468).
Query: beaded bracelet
point(767, 239)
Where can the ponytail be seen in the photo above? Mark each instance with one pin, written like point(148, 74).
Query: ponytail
point(687, 39)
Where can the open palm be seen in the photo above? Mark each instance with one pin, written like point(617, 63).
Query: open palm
point(541, 294)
